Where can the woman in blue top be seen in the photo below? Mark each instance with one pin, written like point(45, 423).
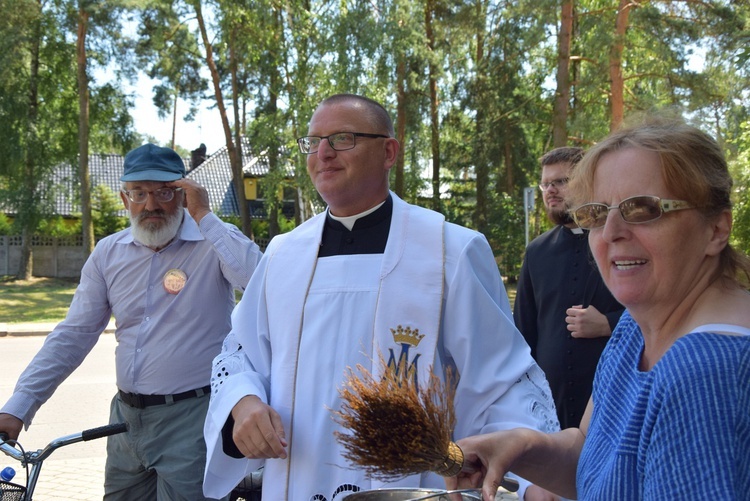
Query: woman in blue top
point(670, 409)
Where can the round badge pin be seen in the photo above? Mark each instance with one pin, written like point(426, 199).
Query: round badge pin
point(174, 280)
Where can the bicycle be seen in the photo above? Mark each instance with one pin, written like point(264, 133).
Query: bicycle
point(249, 489)
point(15, 492)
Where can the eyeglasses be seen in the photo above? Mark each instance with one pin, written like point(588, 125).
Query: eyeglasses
point(162, 195)
point(634, 210)
point(339, 141)
point(555, 183)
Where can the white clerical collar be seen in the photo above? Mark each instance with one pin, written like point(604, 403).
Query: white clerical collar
point(349, 221)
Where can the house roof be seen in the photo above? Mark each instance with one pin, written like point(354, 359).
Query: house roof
point(104, 169)
point(254, 165)
point(214, 173)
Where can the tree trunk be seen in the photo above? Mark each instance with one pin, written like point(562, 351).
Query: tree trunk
point(510, 181)
point(174, 115)
point(238, 171)
point(297, 82)
point(87, 223)
point(400, 124)
point(481, 167)
point(562, 95)
point(27, 212)
point(273, 159)
point(273, 200)
point(26, 266)
point(617, 85)
point(234, 159)
point(434, 118)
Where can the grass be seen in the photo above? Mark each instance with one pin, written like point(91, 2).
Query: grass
point(35, 300)
point(511, 290)
point(47, 299)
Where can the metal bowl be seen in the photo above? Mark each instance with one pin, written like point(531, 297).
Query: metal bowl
point(408, 494)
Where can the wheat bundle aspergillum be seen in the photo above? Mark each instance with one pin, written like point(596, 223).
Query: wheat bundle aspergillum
point(396, 428)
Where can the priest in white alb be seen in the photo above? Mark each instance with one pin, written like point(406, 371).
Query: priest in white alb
point(371, 275)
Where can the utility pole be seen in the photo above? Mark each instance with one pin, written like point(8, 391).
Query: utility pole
point(528, 207)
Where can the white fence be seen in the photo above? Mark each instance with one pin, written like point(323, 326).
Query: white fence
point(53, 256)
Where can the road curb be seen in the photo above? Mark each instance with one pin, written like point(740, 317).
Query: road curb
point(37, 329)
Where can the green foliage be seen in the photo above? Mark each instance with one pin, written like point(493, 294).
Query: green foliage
point(57, 226)
point(105, 205)
point(508, 243)
point(286, 225)
point(170, 51)
point(111, 123)
point(17, 15)
point(38, 129)
point(232, 219)
point(6, 227)
point(492, 64)
point(740, 168)
point(505, 220)
point(260, 227)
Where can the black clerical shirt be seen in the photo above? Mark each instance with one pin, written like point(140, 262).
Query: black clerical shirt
point(368, 235)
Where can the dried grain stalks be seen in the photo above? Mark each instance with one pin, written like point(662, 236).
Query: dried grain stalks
point(395, 428)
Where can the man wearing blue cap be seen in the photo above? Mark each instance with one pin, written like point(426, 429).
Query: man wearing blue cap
point(169, 282)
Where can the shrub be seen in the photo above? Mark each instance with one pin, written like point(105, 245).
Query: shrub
point(6, 227)
point(105, 205)
point(58, 226)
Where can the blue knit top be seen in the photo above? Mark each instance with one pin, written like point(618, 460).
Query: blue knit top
point(681, 428)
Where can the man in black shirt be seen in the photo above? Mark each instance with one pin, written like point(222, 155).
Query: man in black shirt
point(562, 307)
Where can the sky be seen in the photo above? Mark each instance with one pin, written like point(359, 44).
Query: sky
point(206, 128)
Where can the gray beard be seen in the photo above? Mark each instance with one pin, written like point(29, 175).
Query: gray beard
point(151, 236)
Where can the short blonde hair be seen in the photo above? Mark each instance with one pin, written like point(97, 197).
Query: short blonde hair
point(376, 112)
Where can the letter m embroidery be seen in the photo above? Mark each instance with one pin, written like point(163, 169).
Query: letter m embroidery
point(402, 368)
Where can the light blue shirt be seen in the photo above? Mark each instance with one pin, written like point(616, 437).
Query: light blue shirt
point(165, 342)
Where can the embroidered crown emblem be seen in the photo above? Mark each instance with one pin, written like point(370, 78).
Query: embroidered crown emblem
point(406, 335)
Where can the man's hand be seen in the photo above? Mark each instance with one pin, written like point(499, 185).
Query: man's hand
point(587, 322)
point(196, 197)
point(258, 432)
point(10, 425)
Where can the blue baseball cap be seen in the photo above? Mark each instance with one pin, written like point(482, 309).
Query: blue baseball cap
point(153, 163)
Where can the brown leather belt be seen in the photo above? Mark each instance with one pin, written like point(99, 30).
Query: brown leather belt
point(142, 401)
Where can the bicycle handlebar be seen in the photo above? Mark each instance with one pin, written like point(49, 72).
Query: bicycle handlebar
point(42, 454)
point(104, 431)
point(8, 449)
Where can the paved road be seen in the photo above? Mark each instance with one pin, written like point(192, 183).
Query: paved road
point(82, 401)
